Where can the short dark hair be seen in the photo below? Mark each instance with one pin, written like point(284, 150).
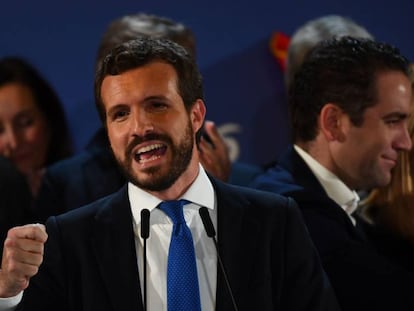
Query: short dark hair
point(342, 71)
point(313, 32)
point(138, 53)
point(130, 27)
point(18, 70)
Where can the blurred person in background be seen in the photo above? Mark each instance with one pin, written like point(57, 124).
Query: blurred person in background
point(314, 31)
point(33, 128)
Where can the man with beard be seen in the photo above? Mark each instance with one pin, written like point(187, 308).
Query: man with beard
point(149, 96)
point(72, 183)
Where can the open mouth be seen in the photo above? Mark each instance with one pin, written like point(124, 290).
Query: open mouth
point(150, 153)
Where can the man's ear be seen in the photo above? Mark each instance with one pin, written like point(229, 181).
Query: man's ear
point(198, 113)
point(330, 119)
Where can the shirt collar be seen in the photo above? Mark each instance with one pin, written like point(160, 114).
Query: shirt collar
point(201, 192)
point(339, 192)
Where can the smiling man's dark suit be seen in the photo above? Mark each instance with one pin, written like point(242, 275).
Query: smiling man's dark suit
point(355, 269)
point(90, 258)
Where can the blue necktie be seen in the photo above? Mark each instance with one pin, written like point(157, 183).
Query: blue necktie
point(183, 292)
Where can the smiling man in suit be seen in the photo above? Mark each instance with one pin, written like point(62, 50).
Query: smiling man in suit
point(149, 96)
point(349, 105)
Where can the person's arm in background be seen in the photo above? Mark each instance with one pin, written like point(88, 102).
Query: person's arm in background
point(214, 155)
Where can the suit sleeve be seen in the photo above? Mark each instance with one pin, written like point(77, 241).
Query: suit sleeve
point(307, 286)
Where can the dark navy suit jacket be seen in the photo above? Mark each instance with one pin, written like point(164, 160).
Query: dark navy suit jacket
point(362, 279)
point(79, 180)
point(90, 259)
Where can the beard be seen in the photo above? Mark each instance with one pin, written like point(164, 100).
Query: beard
point(181, 154)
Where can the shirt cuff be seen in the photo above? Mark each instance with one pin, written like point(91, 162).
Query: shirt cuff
point(10, 303)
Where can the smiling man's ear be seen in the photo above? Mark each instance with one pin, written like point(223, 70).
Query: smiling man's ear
point(330, 122)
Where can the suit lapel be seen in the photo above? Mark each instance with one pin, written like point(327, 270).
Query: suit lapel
point(303, 176)
point(237, 234)
point(114, 247)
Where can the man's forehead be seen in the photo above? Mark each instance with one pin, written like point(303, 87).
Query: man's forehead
point(154, 73)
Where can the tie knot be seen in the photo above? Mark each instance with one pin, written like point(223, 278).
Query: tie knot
point(174, 210)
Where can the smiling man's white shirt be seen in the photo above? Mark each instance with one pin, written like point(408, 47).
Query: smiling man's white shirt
point(200, 193)
point(339, 192)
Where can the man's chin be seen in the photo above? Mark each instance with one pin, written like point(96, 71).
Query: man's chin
point(383, 180)
point(153, 181)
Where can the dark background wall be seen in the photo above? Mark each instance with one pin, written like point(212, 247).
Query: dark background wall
point(243, 82)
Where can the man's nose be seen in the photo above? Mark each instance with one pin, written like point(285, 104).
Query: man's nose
point(404, 142)
point(142, 124)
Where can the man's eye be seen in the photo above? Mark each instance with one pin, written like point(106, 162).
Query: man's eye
point(120, 114)
point(158, 106)
point(393, 121)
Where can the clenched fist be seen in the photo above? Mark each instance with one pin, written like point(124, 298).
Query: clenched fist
point(22, 257)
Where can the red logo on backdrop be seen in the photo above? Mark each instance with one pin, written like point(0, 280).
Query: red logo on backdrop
point(279, 43)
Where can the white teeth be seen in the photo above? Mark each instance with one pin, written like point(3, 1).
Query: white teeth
point(149, 148)
point(149, 159)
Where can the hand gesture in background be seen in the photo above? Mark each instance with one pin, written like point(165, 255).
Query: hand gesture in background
point(214, 155)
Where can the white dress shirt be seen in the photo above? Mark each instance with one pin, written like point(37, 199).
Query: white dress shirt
point(339, 192)
point(201, 193)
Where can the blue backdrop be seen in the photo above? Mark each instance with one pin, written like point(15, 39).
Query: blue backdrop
point(243, 82)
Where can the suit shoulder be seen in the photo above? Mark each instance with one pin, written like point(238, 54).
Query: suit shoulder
point(69, 165)
point(261, 195)
point(98, 208)
point(276, 179)
point(253, 197)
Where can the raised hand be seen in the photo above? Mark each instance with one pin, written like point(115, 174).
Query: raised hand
point(22, 257)
point(214, 154)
